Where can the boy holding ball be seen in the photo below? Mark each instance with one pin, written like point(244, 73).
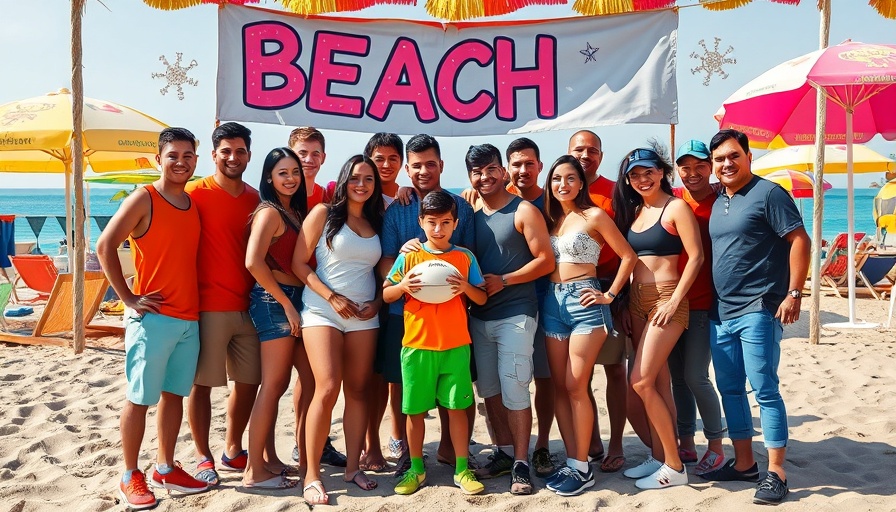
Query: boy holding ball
point(435, 354)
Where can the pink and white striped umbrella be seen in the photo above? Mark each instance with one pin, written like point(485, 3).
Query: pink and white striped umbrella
point(777, 109)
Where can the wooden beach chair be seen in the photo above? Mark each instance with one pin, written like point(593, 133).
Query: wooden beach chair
point(56, 317)
point(834, 267)
point(874, 269)
point(5, 293)
point(37, 272)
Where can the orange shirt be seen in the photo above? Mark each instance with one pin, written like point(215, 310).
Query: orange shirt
point(601, 192)
point(224, 281)
point(443, 326)
point(701, 293)
point(165, 257)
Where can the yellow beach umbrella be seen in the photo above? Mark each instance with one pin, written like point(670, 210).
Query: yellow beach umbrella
point(802, 158)
point(36, 135)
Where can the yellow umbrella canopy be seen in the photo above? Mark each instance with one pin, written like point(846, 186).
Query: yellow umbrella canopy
point(36, 134)
point(885, 200)
point(802, 158)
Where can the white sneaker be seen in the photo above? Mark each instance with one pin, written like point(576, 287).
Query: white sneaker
point(646, 468)
point(662, 478)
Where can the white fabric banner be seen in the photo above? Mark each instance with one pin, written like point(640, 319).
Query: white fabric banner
point(410, 77)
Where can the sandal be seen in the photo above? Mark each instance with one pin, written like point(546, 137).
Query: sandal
point(205, 472)
point(276, 483)
point(320, 499)
point(612, 463)
point(687, 456)
point(520, 483)
point(374, 467)
point(360, 479)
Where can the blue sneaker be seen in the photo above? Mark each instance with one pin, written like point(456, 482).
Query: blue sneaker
point(557, 475)
point(574, 484)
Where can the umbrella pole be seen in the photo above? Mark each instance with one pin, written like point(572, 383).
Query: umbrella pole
point(68, 213)
point(821, 103)
point(850, 219)
point(78, 320)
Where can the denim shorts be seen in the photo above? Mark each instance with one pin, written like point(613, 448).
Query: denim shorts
point(562, 315)
point(268, 315)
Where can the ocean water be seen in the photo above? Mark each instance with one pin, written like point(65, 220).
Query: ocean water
point(35, 202)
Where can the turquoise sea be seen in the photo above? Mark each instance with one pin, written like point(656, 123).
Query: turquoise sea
point(35, 202)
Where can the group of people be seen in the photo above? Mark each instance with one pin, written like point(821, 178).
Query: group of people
point(552, 277)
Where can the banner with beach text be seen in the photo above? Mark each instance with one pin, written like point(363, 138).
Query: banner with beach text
point(409, 77)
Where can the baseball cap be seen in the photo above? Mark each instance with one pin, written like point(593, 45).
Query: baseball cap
point(694, 148)
point(643, 157)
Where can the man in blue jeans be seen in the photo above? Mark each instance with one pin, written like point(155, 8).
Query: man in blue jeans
point(760, 258)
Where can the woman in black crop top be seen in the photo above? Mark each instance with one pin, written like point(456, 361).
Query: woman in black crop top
point(659, 228)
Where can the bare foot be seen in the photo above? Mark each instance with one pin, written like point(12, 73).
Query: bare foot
point(360, 479)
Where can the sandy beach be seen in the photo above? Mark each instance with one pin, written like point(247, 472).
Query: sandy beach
point(60, 447)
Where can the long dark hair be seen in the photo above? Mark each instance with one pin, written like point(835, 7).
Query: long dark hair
point(627, 202)
point(552, 208)
point(337, 213)
point(298, 203)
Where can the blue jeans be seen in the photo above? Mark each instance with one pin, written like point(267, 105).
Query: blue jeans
point(749, 347)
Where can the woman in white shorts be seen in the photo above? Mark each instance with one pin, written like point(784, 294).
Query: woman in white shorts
point(339, 317)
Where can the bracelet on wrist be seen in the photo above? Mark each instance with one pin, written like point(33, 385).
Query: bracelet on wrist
point(611, 295)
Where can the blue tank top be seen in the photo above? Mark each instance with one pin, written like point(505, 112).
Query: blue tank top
point(655, 240)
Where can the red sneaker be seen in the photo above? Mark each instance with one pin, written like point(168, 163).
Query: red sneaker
point(136, 494)
point(237, 463)
point(177, 480)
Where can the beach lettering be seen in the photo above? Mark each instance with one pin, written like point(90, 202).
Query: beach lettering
point(15, 141)
point(273, 79)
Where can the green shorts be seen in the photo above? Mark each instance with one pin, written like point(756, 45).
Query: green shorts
point(433, 377)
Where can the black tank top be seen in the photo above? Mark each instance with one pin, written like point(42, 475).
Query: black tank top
point(655, 240)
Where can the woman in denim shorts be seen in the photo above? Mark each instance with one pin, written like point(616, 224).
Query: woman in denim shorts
point(576, 313)
point(659, 228)
point(274, 305)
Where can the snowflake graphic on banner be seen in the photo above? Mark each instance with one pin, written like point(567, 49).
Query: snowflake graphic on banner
point(711, 61)
point(176, 75)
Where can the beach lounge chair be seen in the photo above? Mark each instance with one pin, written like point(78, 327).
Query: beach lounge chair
point(57, 316)
point(874, 269)
point(5, 293)
point(834, 267)
point(37, 272)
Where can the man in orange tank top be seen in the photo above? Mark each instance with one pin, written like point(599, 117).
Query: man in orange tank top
point(227, 338)
point(586, 146)
point(161, 319)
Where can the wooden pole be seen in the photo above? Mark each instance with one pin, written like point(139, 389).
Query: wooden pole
point(77, 156)
point(824, 34)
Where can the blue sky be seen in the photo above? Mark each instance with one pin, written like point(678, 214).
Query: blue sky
point(124, 39)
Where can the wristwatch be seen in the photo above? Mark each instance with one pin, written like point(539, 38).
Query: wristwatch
point(796, 294)
point(611, 295)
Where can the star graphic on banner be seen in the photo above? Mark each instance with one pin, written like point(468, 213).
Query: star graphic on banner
point(589, 52)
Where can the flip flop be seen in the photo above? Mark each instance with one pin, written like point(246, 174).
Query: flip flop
point(687, 456)
point(596, 458)
point(206, 473)
point(364, 483)
point(321, 499)
point(374, 468)
point(612, 463)
point(275, 483)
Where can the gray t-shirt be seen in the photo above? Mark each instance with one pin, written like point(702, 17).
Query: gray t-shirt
point(750, 256)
